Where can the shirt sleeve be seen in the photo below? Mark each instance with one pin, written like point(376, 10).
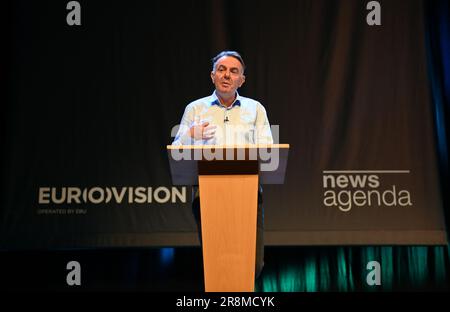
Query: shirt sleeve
point(183, 136)
point(263, 131)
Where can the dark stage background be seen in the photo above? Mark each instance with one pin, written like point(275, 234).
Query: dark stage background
point(89, 110)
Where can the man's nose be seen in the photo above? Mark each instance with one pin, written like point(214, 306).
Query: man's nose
point(227, 74)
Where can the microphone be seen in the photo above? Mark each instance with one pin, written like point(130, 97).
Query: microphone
point(226, 119)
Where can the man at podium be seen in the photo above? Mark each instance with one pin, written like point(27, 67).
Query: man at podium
point(227, 118)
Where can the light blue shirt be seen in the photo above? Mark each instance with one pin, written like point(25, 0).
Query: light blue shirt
point(243, 122)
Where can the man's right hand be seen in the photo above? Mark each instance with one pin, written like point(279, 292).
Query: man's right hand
point(205, 131)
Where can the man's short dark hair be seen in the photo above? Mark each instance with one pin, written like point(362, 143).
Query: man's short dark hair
point(228, 53)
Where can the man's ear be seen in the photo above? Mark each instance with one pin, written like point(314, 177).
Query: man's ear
point(212, 76)
point(242, 81)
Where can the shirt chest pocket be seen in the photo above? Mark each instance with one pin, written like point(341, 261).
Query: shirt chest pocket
point(243, 128)
point(246, 118)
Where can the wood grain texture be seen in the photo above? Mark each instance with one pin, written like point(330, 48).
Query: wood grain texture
point(228, 206)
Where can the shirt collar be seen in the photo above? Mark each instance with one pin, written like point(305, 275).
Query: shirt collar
point(215, 100)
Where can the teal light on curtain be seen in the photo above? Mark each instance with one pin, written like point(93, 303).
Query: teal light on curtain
point(344, 269)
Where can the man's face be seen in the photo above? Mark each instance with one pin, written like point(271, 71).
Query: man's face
point(228, 75)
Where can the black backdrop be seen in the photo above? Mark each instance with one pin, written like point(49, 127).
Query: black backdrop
point(92, 106)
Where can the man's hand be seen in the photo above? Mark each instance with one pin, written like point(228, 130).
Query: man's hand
point(205, 131)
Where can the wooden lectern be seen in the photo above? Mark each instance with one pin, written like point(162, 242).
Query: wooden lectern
point(228, 179)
